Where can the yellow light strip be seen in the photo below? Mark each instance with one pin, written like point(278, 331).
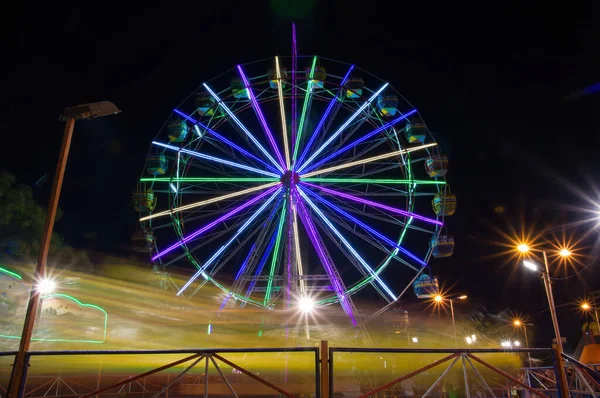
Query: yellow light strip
point(373, 159)
point(208, 201)
point(282, 109)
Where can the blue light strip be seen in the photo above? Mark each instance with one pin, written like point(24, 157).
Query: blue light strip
point(225, 140)
point(323, 118)
point(358, 257)
point(244, 129)
point(360, 140)
point(215, 159)
point(366, 227)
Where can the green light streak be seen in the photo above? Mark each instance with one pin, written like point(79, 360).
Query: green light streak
point(205, 179)
point(84, 305)
point(79, 303)
point(275, 255)
point(13, 274)
point(305, 107)
point(372, 181)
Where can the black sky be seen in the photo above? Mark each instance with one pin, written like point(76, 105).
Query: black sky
point(491, 87)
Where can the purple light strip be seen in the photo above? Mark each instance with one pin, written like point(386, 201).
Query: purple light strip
point(374, 204)
point(366, 227)
point(217, 221)
point(312, 233)
point(261, 117)
point(358, 141)
point(322, 122)
point(225, 140)
point(294, 89)
point(290, 242)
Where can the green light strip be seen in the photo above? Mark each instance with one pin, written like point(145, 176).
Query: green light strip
point(275, 255)
point(13, 274)
point(305, 107)
point(205, 179)
point(54, 340)
point(372, 181)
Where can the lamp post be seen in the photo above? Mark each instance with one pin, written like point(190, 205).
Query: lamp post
point(517, 323)
point(69, 116)
point(545, 274)
point(439, 298)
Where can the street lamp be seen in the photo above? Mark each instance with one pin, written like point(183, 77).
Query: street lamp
point(518, 323)
point(587, 307)
point(69, 116)
point(545, 273)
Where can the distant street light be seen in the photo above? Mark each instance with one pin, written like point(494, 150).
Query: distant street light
point(46, 287)
point(306, 305)
point(439, 298)
point(415, 340)
point(518, 323)
point(587, 307)
point(69, 116)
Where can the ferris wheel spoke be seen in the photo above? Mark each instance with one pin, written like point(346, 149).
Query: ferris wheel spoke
point(213, 133)
point(242, 127)
point(282, 113)
point(202, 270)
point(368, 160)
point(342, 127)
point(367, 228)
point(275, 255)
point(319, 128)
point(261, 117)
point(261, 265)
point(215, 159)
point(349, 247)
point(328, 265)
point(305, 109)
point(217, 221)
point(208, 201)
point(373, 204)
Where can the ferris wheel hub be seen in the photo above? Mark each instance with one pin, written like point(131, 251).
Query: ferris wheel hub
point(289, 179)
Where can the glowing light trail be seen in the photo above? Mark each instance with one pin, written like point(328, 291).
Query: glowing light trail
point(242, 127)
point(368, 160)
point(282, 111)
point(215, 159)
point(323, 118)
point(360, 140)
point(343, 127)
point(217, 221)
point(261, 117)
point(207, 179)
point(208, 201)
point(358, 257)
point(374, 204)
point(229, 242)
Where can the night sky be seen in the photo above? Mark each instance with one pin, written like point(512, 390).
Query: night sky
point(494, 90)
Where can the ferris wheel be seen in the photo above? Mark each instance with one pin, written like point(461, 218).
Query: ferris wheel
point(296, 181)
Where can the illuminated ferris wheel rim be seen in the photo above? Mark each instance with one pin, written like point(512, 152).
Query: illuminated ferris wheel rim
point(295, 173)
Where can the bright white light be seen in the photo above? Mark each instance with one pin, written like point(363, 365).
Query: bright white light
point(517, 343)
point(474, 338)
point(415, 340)
point(46, 286)
point(306, 304)
point(506, 344)
point(469, 340)
point(530, 264)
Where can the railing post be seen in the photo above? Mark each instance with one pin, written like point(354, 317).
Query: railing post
point(325, 382)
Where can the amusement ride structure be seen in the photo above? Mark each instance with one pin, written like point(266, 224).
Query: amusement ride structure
point(296, 181)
